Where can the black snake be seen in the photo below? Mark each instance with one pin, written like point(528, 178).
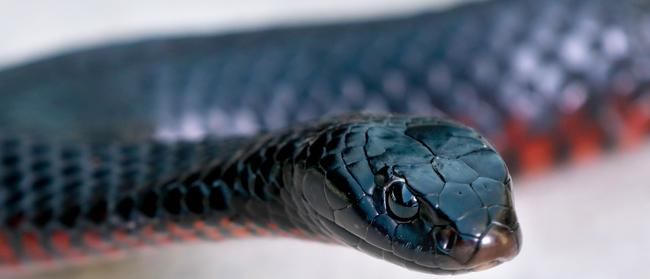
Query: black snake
point(149, 142)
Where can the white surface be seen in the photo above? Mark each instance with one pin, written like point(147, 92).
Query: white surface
point(581, 222)
point(31, 28)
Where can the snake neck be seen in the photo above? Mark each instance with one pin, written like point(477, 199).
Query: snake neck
point(98, 198)
point(240, 186)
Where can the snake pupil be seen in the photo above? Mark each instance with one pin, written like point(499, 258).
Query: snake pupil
point(402, 204)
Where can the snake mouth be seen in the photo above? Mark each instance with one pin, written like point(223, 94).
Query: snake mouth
point(487, 265)
point(498, 245)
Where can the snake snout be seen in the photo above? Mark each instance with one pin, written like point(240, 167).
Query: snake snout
point(499, 244)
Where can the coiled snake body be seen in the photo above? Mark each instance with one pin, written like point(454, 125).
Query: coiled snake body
point(123, 146)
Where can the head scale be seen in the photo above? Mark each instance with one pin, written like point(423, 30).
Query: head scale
point(424, 193)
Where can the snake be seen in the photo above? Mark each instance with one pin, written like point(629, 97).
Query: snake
point(355, 133)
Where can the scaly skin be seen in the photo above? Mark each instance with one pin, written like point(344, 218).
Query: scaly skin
point(329, 181)
point(546, 80)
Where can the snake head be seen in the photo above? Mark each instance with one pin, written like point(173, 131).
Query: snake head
point(427, 194)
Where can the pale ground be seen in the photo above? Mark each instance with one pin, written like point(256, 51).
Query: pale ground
point(31, 28)
point(587, 221)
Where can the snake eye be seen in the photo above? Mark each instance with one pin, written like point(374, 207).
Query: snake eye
point(402, 205)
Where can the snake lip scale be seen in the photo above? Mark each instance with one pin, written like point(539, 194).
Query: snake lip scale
point(425, 193)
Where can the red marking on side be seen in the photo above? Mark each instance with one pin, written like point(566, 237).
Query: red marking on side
point(207, 231)
point(95, 241)
point(149, 232)
point(259, 230)
point(536, 155)
point(585, 147)
point(123, 237)
point(300, 233)
point(533, 154)
point(212, 233)
point(92, 239)
point(584, 136)
point(7, 255)
point(113, 252)
point(198, 225)
point(225, 222)
point(61, 242)
point(274, 228)
point(240, 231)
point(636, 123)
point(183, 233)
point(33, 248)
point(235, 230)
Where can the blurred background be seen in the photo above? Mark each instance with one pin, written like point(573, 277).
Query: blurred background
point(579, 221)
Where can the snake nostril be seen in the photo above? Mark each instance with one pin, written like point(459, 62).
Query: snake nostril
point(446, 238)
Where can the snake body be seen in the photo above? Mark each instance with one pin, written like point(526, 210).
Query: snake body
point(419, 192)
point(125, 144)
point(545, 81)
